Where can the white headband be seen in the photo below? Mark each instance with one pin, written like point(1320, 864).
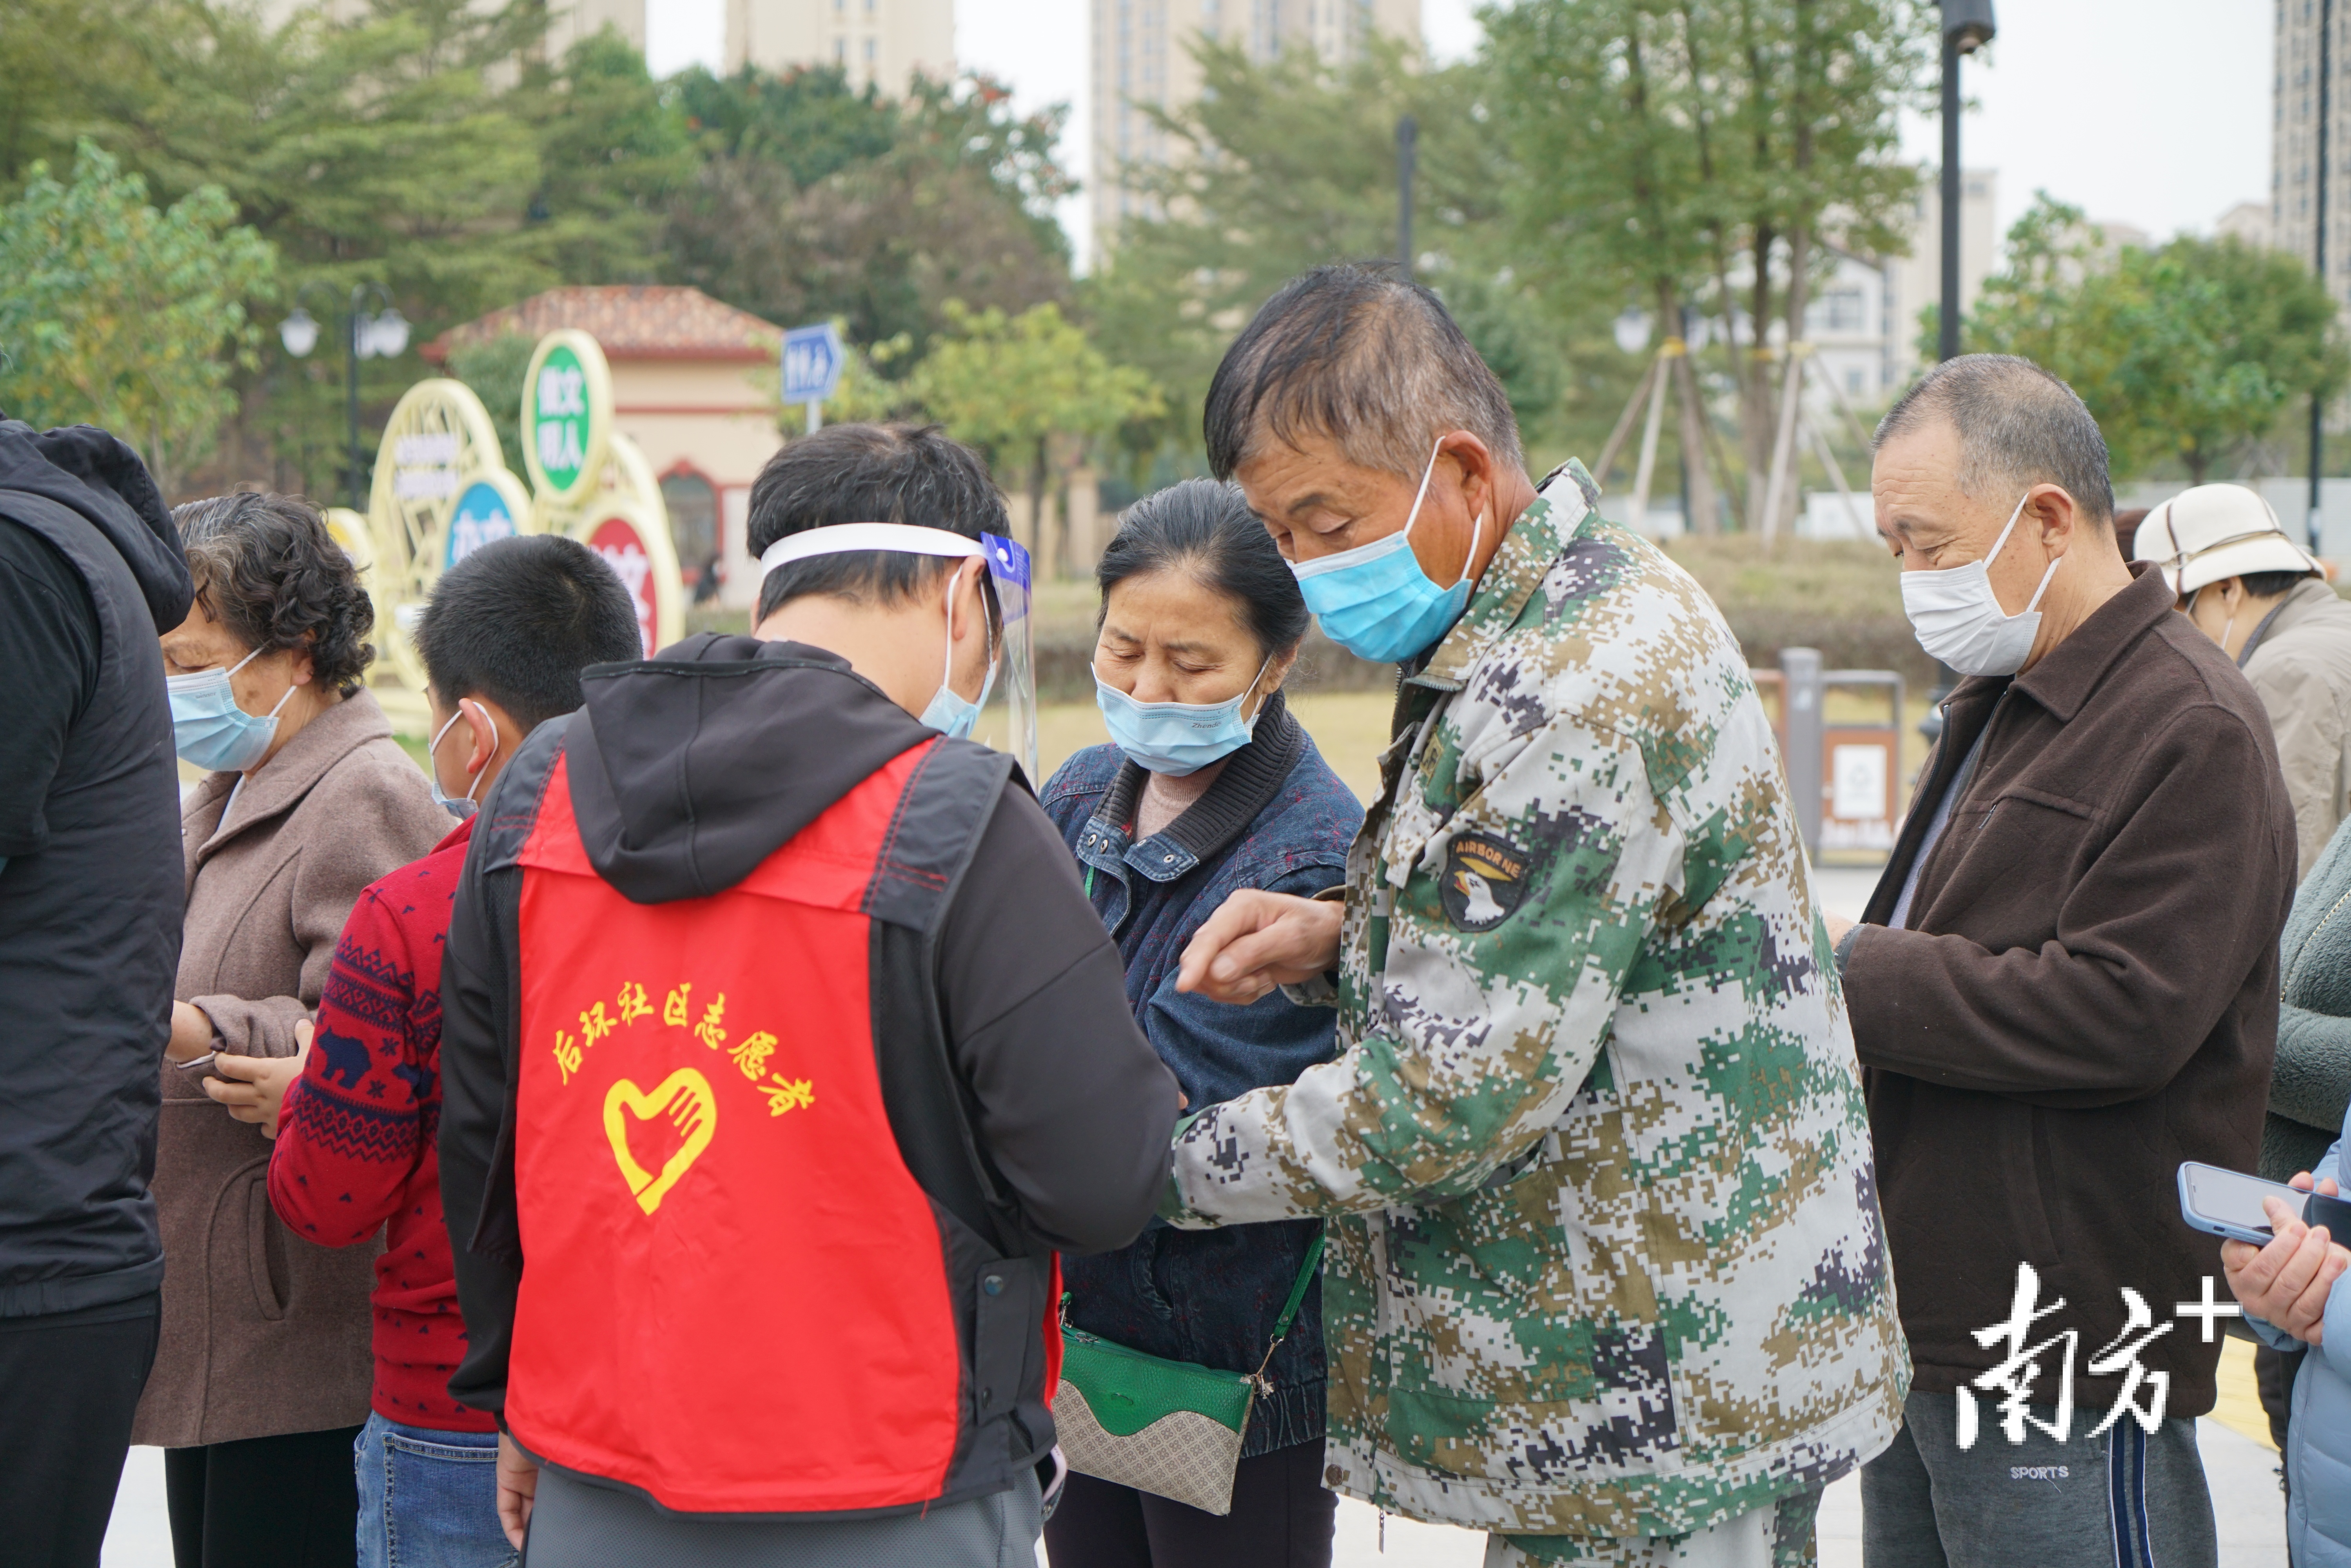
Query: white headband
point(903, 538)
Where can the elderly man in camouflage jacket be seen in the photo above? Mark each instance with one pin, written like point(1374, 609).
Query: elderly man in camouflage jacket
point(1606, 1273)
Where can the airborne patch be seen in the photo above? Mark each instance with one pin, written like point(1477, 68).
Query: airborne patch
point(1485, 879)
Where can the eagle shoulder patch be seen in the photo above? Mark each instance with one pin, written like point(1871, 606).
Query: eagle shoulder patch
point(1485, 879)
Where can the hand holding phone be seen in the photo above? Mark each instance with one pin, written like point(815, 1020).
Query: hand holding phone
point(2229, 1204)
point(2282, 1259)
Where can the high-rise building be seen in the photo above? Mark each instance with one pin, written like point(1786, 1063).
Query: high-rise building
point(878, 43)
point(2295, 142)
point(1143, 56)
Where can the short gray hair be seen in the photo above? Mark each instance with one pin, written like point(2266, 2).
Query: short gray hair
point(2019, 426)
point(1364, 357)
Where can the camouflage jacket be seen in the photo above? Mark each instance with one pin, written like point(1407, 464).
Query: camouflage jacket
point(1606, 1255)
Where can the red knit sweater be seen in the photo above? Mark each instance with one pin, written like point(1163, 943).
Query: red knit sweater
point(355, 1140)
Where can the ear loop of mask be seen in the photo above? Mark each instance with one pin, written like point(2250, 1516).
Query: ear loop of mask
point(432, 750)
point(1251, 720)
point(2001, 542)
point(947, 674)
point(2227, 628)
point(1477, 530)
point(241, 664)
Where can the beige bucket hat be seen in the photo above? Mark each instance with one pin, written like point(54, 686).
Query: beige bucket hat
point(2214, 531)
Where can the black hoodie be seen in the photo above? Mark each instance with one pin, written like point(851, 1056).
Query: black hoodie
point(90, 875)
point(688, 771)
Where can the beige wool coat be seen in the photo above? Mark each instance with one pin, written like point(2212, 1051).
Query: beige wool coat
point(265, 1332)
point(2299, 660)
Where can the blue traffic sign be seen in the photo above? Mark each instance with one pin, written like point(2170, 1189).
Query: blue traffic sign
point(812, 359)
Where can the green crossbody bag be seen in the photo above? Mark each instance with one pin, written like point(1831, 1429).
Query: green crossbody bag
point(1172, 1428)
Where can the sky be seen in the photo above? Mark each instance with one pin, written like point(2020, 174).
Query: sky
point(2151, 113)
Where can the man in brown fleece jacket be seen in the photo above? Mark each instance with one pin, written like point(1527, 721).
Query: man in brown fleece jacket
point(2064, 985)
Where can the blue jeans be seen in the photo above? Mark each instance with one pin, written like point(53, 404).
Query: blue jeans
point(428, 1498)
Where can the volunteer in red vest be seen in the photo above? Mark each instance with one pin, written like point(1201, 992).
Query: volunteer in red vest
point(780, 1052)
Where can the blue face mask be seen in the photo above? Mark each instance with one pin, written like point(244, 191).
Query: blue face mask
point(1374, 600)
point(948, 712)
point(207, 727)
point(1175, 738)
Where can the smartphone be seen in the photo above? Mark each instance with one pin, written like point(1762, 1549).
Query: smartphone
point(2229, 1203)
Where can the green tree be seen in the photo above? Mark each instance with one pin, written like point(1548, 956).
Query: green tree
point(121, 316)
point(1706, 154)
point(73, 65)
point(1009, 385)
point(387, 150)
point(614, 147)
point(2227, 339)
point(2188, 353)
point(955, 206)
point(809, 120)
point(1284, 165)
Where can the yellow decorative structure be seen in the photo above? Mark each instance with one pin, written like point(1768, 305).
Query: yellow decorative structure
point(442, 490)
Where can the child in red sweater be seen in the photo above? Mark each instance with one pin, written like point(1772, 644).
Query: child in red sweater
point(507, 633)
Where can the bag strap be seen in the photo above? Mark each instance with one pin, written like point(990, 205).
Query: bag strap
point(1281, 1325)
point(1298, 1291)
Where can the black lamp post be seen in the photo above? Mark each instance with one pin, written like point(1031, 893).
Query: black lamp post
point(383, 335)
point(1967, 26)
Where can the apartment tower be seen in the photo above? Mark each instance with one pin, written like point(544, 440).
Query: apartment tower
point(877, 43)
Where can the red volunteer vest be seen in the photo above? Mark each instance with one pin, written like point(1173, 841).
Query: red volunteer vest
point(736, 1297)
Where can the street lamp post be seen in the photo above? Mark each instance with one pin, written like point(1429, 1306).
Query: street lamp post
point(383, 335)
point(1967, 26)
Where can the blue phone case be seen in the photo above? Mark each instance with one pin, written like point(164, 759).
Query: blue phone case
point(2221, 1228)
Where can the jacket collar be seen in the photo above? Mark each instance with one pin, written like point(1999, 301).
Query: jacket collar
point(286, 778)
point(1252, 780)
point(2067, 676)
point(1540, 535)
point(2310, 595)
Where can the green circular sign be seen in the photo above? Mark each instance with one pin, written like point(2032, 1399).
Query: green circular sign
point(567, 415)
point(560, 403)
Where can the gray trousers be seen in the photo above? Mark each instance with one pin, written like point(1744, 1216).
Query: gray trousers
point(577, 1524)
point(2125, 1498)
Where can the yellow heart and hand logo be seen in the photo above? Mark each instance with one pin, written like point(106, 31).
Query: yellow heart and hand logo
point(684, 1097)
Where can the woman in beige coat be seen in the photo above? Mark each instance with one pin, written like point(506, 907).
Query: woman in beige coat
point(261, 1379)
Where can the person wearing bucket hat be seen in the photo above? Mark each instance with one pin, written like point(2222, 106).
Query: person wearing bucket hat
point(2245, 583)
point(2248, 586)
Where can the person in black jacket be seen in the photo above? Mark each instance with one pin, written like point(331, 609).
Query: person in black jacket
point(90, 574)
point(779, 1026)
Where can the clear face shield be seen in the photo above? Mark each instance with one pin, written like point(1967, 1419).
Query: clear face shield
point(1005, 594)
